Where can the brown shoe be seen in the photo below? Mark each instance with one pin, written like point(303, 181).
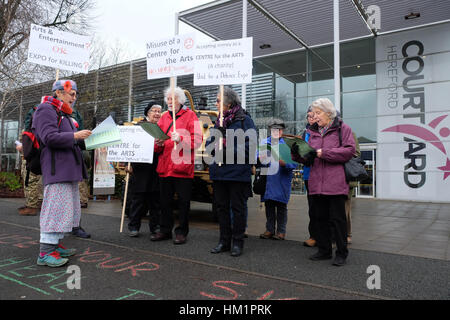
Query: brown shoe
point(280, 236)
point(266, 235)
point(310, 243)
point(160, 236)
point(27, 211)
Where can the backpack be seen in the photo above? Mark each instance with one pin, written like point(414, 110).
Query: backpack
point(31, 147)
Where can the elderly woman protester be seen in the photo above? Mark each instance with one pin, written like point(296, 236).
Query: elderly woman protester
point(62, 168)
point(145, 186)
point(232, 177)
point(176, 166)
point(327, 184)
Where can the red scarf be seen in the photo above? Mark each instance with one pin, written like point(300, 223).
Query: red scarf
point(59, 105)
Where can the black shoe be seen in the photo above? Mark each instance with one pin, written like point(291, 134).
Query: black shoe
point(79, 232)
point(221, 248)
point(160, 236)
point(133, 233)
point(236, 251)
point(339, 261)
point(320, 256)
point(179, 239)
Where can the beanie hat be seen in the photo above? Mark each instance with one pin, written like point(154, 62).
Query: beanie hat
point(66, 85)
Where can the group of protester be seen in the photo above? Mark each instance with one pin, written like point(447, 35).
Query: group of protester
point(155, 184)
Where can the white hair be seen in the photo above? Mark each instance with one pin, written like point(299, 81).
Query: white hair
point(326, 106)
point(178, 92)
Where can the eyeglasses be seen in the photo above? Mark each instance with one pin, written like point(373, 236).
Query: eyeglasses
point(218, 100)
point(155, 111)
point(73, 94)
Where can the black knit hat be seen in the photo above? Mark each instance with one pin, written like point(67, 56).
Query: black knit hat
point(149, 106)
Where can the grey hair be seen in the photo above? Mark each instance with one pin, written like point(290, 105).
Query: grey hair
point(326, 106)
point(230, 97)
point(179, 93)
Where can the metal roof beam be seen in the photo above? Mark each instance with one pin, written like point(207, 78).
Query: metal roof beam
point(280, 24)
point(363, 14)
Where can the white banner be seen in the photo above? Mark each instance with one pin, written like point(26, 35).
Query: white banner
point(170, 57)
point(413, 155)
point(137, 146)
point(58, 49)
point(224, 62)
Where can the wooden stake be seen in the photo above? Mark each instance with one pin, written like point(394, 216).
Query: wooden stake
point(221, 117)
point(125, 197)
point(172, 91)
point(57, 74)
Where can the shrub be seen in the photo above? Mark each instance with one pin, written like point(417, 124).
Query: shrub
point(10, 181)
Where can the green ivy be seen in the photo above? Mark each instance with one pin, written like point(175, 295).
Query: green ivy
point(10, 180)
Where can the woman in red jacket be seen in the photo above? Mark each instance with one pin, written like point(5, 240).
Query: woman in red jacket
point(176, 166)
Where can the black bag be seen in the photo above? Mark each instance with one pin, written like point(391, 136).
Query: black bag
point(354, 170)
point(259, 184)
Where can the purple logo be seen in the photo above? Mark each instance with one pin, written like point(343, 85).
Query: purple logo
point(428, 136)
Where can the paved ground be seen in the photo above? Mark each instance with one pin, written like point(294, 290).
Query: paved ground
point(114, 266)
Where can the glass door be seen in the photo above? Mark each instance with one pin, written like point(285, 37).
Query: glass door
point(366, 188)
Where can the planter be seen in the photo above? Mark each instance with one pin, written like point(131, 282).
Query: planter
point(6, 193)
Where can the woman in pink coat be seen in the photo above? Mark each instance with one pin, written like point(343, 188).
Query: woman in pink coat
point(327, 184)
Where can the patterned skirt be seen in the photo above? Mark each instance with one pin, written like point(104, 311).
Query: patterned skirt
point(61, 209)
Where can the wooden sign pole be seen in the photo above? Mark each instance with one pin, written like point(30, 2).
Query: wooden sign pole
point(172, 91)
point(57, 74)
point(125, 197)
point(221, 118)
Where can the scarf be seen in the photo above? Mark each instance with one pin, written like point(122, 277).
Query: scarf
point(59, 105)
point(235, 113)
point(322, 130)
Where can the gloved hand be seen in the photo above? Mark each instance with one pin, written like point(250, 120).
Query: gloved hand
point(294, 149)
point(310, 156)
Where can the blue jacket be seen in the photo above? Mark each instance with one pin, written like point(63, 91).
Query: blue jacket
point(278, 186)
point(305, 168)
point(234, 171)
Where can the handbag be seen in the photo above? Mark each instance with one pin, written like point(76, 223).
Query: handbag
point(354, 168)
point(259, 184)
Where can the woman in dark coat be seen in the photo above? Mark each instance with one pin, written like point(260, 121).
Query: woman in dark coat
point(62, 168)
point(232, 179)
point(145, 187)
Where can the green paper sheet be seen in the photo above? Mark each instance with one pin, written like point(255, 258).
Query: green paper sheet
point(104, 135)
point(303, 146)
point(154, 130)
point(284, 152)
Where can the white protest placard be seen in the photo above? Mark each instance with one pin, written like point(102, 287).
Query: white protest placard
point(137, 146)
point(224, 62)
point(170, 57)
point(58, 49)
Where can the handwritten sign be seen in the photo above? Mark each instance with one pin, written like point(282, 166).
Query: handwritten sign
point(136, 146)
point(170, 57)
point(58, 49)
point(224, 62)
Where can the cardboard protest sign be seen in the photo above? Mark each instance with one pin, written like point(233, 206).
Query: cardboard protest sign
point(224, 62)
point(170, 57)
point(136, 146)
point(58, 49)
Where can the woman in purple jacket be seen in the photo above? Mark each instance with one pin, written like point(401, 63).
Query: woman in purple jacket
point(327, 184)
point(62, 168)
